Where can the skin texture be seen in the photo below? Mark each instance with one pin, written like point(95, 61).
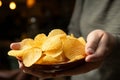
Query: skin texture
point(99, 45)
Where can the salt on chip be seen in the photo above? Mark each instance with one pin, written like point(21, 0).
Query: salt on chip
point(31, 56)
point(72, 48)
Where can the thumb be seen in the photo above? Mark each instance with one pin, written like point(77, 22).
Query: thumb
point(15, 46)
point(93, 39)
point(92, 42)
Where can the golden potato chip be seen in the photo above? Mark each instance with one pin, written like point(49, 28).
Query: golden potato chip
point(61, 58)
point(40, 61)
point(81, 39)
point(77, 58)
point(39, 40)
point(26, 43)
point(31, 56)
point(53, 53)
point(49, 60)
point(72, 48)
point(55, 32)
point(15, 53)
point(52, 43)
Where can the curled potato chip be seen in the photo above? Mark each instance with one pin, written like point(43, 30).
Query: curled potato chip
point(53, 53)
point(56, 32)
point(26, 43)
point(77, 58)
point(31, 56)
point(81, 39)
point(52, 43)
point(72, 48)
point(39, 40)
point(49, 60)
point(15, 53)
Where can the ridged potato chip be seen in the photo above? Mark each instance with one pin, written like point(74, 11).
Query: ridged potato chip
point(56, 32)
point(72, 47)
point(52, 43)
point(39, 40)
point(26, 43)
point(53, 53)
point(15, 53)
point(57, 58)
point(31, 56)
point(81, 39)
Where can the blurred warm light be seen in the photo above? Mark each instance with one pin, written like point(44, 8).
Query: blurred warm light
point(30, 3)
point(12, 5)
point(0, 3)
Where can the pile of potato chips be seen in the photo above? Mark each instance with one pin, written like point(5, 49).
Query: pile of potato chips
point(56, 48)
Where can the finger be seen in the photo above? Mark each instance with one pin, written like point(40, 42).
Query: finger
point(92, 41)
point(101, 51)
point(15, 46)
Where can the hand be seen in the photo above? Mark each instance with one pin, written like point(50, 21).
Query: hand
point(99, 45)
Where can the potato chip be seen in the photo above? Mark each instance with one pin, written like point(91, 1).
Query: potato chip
point(55, 32)
point(52, 43)
point(72, 48)
point(61, 58)
point(39, 40)
point(81, 39)
point(15, 53)
point(53, 53)
point(26, 43)
point(77, 58)
point(49, 60)
point(31, 56)
point(40, 61)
